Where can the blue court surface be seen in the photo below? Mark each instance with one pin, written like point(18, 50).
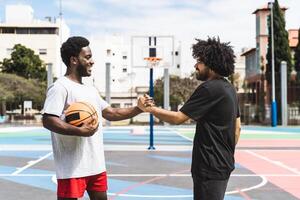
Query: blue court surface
point(134, 172)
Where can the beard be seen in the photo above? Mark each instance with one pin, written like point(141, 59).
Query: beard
point(202, 75)
point(82, 70)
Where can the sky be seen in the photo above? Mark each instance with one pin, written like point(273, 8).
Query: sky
point(231, 20)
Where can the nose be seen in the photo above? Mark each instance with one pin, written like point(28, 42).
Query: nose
point(92, 62)
point(195, 66)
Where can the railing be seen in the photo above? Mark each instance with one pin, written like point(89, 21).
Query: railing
point(253, 114)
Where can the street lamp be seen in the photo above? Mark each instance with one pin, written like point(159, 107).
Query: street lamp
point(274, 106)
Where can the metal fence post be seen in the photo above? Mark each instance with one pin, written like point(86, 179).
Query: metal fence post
point(284, 108)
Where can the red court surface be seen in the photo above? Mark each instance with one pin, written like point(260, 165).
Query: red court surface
point(275, 159)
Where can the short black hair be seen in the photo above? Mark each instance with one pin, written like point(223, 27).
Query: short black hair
point(216, 55)
point(72, 47)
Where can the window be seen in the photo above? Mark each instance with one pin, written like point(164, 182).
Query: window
point(43, 51)
point(8, 30)
point(178, 66)
point(127, 105)
point(108, 52)
point(42, 31)
point(257, 25)
point(22, 31)
point(152, 52)
point(115, 105)
point(176, 53)
point(124, 55)
point(31, 30)
point(124, 70)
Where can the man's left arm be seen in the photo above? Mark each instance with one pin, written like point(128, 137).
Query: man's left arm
point(171, 117)
point(237, 129)
point(116, 114)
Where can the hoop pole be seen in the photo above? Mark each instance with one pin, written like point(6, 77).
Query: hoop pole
point(151, 93)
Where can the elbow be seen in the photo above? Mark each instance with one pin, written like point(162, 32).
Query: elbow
point(176, 122)
point(44, 121)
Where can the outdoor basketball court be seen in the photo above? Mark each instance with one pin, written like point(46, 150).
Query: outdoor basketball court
point(267, 164)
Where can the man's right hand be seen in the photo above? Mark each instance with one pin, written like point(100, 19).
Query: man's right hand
point(89, 128)
point(145, 103)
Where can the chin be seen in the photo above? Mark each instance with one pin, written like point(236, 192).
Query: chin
point(88, 73)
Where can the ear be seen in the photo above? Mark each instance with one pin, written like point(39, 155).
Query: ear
point(73, 60)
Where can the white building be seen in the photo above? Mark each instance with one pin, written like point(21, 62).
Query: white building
point(240, 68)
point(116, 50)
point(42, 36)
point(126, 82)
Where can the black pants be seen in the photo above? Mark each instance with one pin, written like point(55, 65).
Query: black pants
point(207, 189)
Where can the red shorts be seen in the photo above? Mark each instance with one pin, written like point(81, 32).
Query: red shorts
point(75, 187)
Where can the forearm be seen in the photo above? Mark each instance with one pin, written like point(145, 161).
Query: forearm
point(237, 130)
point(123, 113)
point(166, 115)
point(56, 125)
point(237, 135)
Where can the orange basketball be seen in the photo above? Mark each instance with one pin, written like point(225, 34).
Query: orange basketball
point(79, 112)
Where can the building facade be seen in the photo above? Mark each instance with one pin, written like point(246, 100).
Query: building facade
point(42, 36)
point(126, 82)
point(258, 93)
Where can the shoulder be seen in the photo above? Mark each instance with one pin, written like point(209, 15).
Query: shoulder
point(217, 84)
point(58, 85)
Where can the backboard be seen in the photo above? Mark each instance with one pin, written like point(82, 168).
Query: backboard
point(152, 46)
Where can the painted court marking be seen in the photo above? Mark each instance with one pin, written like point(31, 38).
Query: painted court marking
point(125, 192)
point(280, 164)
point(159, 176)
point(31, 163)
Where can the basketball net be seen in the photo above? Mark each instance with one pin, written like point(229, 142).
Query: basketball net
point(152, 61)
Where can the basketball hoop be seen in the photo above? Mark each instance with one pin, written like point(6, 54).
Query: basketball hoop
point(152, 61)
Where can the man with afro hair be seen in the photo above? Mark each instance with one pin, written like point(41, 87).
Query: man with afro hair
point(214, 106)
point(78, 151)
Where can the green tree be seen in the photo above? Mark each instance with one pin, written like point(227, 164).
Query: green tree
point(282, 52)
point(180, 90)
point(15, 89)
point(297, 57)
point(25, 63)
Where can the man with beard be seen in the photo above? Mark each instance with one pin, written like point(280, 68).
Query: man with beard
point(78, 151)
point(214, 106)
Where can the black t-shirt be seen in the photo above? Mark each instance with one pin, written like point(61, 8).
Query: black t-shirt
point(214, 106)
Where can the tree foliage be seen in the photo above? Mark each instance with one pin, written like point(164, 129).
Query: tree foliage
point(25, 63)
point(282, 52)
point(180, 90)
point(297, 57)
point(16, 89)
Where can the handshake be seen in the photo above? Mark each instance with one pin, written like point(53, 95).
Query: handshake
point(146, 103)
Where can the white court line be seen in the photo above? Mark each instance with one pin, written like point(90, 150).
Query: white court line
point(280, 164)
point(180, 134)
point(150, 196)
point(130, 148)
point(261, 184)
point(31, 163)
point(156, 175)
point(16, 129)
point(255, 132)
point(25, 147)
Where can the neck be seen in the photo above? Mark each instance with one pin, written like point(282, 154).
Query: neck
point(214, 75)
point(74, 76)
